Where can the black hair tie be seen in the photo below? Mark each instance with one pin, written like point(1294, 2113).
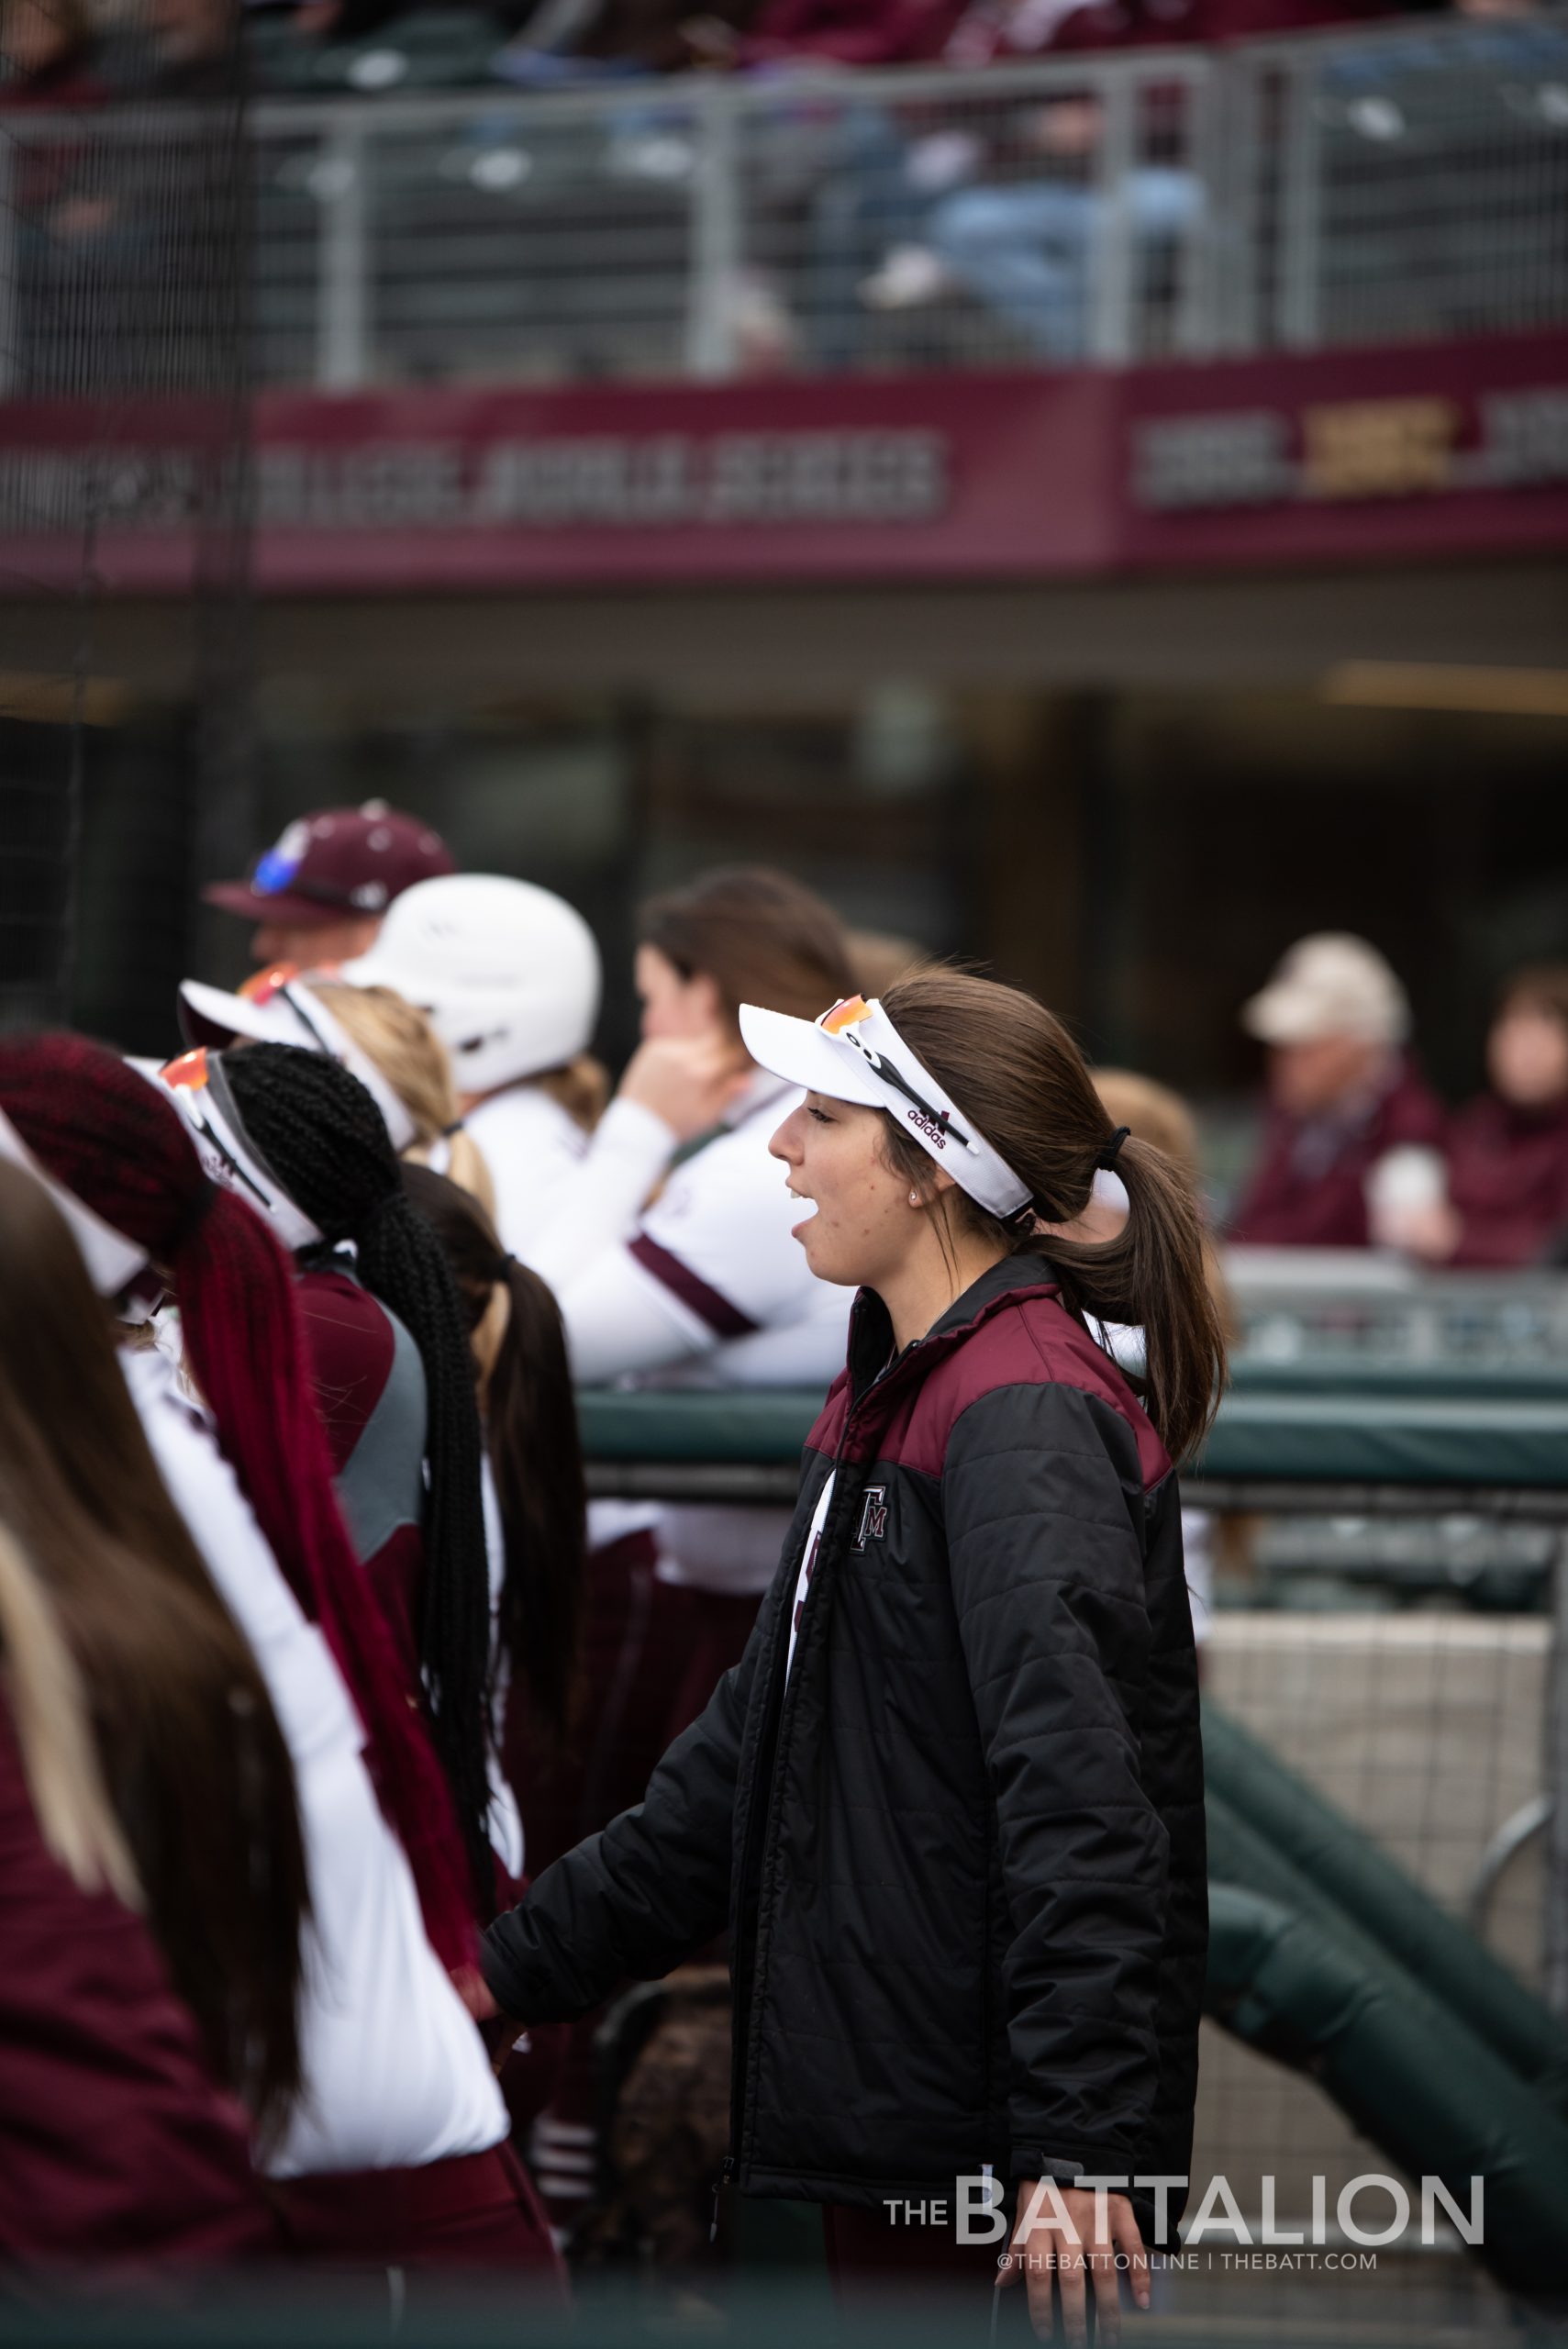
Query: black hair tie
point(1107, 1160)
point(501, 1267)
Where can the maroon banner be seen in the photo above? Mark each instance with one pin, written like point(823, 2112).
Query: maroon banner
point(1448, 449)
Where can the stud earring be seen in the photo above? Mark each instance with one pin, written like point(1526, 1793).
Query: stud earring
point(913, 1199)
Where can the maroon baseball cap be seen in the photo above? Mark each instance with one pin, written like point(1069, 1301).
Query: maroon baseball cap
point(340, 861)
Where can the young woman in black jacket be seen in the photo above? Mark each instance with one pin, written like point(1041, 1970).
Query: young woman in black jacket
point(949, 1802)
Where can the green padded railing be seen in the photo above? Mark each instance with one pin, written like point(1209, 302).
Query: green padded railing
point(1435, 1451)
point(1346, 1374)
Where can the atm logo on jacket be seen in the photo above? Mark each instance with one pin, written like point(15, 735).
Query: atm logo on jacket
point(873, 1515)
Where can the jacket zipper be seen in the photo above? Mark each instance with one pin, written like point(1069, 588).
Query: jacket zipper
point(726, 2171)
point(741, 1985)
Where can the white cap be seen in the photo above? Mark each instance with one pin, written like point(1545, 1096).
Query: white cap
point(1331, 984)
point(855, 1053)
point(112, 1262)
point(507, 975)
point(277, 1006)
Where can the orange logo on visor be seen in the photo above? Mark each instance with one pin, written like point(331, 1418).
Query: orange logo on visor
point(847, 1014)
point(190, 1070)
point(262, 985)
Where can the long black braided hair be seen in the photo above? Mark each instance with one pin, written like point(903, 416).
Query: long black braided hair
point(324, 1139)
point(524, 1378)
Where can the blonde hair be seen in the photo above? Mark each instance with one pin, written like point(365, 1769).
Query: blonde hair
point(414, 1063)
point(581, 1088)
point(59, 1754)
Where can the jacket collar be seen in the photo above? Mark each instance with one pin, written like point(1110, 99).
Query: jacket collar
point(871, 1324)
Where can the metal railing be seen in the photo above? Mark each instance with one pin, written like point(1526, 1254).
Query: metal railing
point(1342, 1315)
point(1407, 183)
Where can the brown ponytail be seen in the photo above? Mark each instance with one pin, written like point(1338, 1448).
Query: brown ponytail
point(1013, 1068)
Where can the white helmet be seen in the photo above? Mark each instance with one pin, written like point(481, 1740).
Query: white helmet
point(507, 975)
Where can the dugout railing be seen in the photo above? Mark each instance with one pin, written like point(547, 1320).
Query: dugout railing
point(1399, 1452)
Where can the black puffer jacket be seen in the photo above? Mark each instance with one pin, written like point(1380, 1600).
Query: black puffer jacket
point(960, 1849)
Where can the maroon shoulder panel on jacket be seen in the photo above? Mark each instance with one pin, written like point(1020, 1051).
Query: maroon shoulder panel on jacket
point(1023, 1336)
point(824, 1436)
point(115, 2144)
point(1028, 1338)
point(351, 1348)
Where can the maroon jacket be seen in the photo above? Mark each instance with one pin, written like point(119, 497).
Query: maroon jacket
point(850, 32)
point(1308, 1189)
point(1508, 1173)
point(116, 2145)
point(986, 33)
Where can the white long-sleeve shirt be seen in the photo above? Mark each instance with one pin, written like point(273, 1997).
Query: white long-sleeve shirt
point(395, 2074)
point(562, 1194)
point(711, 1288)
point(707, 1286)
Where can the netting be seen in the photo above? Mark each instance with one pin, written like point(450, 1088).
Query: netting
point(123, 400)
point(1429, 1732)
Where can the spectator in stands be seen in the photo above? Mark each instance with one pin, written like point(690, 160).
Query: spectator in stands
point(1509, 1150)
point(1026, 249)
point(48, 51)
point(1016, 226)
point(989, 32)
point(1344, 1096)
point(319, 893)
point(568, 40)
point(345, 19)
point(192, 47)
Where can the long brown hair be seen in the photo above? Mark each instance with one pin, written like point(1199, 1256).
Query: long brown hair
point(189, 1747)
point(760, 936)
point(1156, 1115)
point(1012, 1066)
point(531, 1435)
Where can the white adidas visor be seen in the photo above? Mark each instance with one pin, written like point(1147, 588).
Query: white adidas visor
point(200, 1091)
point(855, 1053)
point(112, 1262)
point(277, 1006)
